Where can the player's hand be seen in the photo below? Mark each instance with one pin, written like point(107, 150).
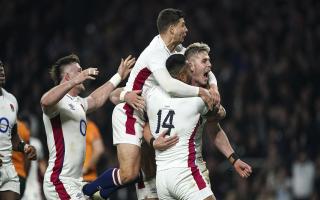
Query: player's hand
point(126, 66)
point(86, 74)
point(242, 168)
point(221, 114)
point(163, 143)
point(134, 99)
point(31, 152)
point(206, 97)
point(1, 156)
point(215, 94)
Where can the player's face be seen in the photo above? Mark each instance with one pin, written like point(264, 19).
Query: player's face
point(2, 76)
point(200, 66)
point(74, 70)
point(180, 31)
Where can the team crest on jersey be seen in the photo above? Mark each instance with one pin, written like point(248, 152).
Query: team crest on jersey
point(83, 127)
point(4, 124)
point(71, 106)
point(12, 107)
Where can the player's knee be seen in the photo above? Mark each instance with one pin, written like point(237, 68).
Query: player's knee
point(128, 175)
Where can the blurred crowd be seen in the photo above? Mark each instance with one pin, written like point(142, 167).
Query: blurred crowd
point(265, 55)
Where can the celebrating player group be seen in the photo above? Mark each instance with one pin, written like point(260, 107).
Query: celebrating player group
point(158, 123)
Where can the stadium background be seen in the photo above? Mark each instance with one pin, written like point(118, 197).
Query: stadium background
point(266, 59)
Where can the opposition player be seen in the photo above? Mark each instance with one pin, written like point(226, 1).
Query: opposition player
point(64, 117)
point(148, 71)
point(10, 140)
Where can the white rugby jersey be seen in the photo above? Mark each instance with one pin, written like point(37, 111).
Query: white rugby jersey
point(65, 125)
point(184, 117)
point(151, 59)
point(8, 118)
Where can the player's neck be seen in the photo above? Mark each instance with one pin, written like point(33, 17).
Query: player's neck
point(170, 43)
point(194, 83)
point(73, 92)
point(0, 91)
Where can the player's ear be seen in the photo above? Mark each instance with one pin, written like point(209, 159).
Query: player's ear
point(66, 76)
point(171, 29)
point(191, 66)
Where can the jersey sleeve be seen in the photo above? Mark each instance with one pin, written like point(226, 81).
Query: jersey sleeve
point(212, 79)
point(156, 60)
point(52, 111)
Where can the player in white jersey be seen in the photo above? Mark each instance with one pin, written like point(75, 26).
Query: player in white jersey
point(33, 185)
point(128, 123)
point(10, 140)
point(64, 117)
point(181, 172)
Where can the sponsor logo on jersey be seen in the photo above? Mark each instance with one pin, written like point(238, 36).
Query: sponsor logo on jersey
point(71, 106)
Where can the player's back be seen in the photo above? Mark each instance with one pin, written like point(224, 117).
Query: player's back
point(66, 131)
point(180, 116)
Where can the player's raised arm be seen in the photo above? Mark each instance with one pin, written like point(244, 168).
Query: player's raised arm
point(98, 97)
point(133, 98)
point(175, 87)
point(54, 95)
point(68, 77)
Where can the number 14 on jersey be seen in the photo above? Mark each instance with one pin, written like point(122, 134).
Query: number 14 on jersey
point(167, 121)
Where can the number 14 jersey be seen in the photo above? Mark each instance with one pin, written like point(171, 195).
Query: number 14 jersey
point(181, 116)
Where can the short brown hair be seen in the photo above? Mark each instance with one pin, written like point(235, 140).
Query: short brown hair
point(167, 17)
point(57, 68)
point(196, 48)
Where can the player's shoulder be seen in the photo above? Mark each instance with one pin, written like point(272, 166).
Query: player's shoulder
point(9, 96)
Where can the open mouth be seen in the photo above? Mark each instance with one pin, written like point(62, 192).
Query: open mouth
point(206, 74)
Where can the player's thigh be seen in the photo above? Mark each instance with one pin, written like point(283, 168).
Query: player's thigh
point(9, 195)
point(126, 129)
point(146, 189)
point(163, 185)
point(186, 184)
point(212, 197)
point(129, 157)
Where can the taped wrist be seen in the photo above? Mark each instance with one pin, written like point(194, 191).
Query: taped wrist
point(21, 146)
point(152, 141)
point(233, 158)
point(115, 80)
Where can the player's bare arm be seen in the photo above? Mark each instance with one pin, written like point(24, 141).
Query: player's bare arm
point(133, 98)
point(54, 95)
point(161, 143)
point(19, 145)
point(222, 143)
point(98, 97)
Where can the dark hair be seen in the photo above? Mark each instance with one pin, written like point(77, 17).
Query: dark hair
point(1, 64)
point(168, 17)
point(177, 67)
point(57, 68)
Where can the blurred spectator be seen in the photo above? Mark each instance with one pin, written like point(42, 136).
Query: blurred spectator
point(94, 150)
point(303, 175)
